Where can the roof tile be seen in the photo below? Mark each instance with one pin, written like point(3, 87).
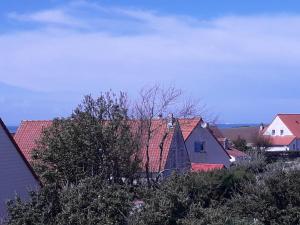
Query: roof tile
point(203, 167)
point(30, 132)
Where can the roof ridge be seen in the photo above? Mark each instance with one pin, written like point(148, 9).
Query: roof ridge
point(288, 114)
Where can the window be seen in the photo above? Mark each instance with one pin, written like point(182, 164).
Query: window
point(294, 147)
point(199, 146)
point(273, 132)
point(281, 132)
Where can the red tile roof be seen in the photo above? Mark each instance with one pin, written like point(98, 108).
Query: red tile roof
point(30, 132)
point(203, 167)
point(236, 153)
point(292, 121)
point(281, 140)
point(188, 125)
point(159, 128)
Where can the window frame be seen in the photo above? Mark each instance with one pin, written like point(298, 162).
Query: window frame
point(197, 147)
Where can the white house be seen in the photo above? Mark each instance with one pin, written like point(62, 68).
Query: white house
point(202, 144)
point(284, 133)
point(16, 175)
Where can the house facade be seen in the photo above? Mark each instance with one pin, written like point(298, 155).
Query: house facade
point(17, 176)
point(284, 133)
point(202, 145)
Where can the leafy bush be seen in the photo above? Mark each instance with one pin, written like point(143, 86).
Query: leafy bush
point(88, 203)
point(274, 200)
point(174, 200)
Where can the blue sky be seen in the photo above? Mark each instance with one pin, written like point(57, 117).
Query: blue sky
point(241, 58)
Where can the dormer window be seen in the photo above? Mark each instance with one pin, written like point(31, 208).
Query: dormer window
point(273, 132)
point(281, 132)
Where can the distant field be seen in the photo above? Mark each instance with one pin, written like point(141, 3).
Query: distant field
point(237, 125)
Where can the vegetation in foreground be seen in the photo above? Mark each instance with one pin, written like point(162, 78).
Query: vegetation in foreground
point(88, 171)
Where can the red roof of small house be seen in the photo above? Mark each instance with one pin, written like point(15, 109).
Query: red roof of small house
point(19, 151)
point(29, 133)
point(236, 153)
point(292, 121)
point(188, 125)
point(203, 167)
point(159, 128)
point(281, 140)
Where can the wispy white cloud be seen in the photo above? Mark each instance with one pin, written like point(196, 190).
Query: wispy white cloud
point(49, 17)
point(126, 48)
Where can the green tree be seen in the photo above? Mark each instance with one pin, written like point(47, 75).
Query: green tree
point(240, 144)
point(96, 140)
point(181, 198)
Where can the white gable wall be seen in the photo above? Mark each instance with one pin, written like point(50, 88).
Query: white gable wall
point(15, 176)
point(213, 151)
point(277, 125)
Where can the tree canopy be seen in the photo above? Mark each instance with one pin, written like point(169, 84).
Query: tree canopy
point(96, 140)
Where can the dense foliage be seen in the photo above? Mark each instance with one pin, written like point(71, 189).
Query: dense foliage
point(86, 144)
point(240, 195)
point(89, 202)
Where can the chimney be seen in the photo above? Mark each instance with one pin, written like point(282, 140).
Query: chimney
point(226, 144)
point(170, 121)
point(261, 127)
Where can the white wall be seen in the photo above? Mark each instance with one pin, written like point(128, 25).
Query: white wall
point(277, 125)
point(15, 177)
point(277, 149)
point(214, 152)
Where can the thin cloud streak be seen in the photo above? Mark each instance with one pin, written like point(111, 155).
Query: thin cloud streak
point(50, 17)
